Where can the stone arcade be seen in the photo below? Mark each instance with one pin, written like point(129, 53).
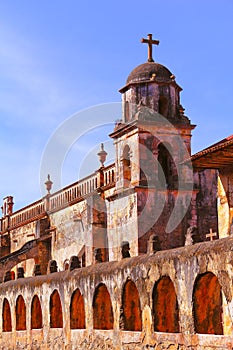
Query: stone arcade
point(139, 254)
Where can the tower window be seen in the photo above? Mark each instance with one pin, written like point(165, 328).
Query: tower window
point(163, 106)
point(126, 111)
point(126, 165)
point(167, 174)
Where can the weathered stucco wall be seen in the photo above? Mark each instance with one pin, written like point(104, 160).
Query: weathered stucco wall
point(122, 223)
point(22, 234)
point(71, 232)
point(223, 208)
point(206, 201)
point(182, 268)
point(225, 201)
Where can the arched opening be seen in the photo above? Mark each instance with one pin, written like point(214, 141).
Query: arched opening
point(126, 165)
point(20, 311)
point(207, 305)
point(66, 265)
point(131, 317)
point(163, 106)
point(77, 311)
point(36, 313)
point(6, 316)
point(167, 172)
point(55, 308)
point(165, 306)
point(102, 308)
point(126, 111)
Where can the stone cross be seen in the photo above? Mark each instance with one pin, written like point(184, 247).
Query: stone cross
point(211, 235)
point(150, 42)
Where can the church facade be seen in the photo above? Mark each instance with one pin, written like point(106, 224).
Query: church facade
point(137, 255)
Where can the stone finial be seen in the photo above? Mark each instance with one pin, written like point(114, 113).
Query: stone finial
point(181, 110)
point(98, 255)
point(7, 207)
point(48, 184)
point(188, 236)
point(20, 272)
point(153, 244)
point(52, 266)
point(36, 270)
point(153, 77)
point(74, 263)
point(125, 248)
point(7, 276)
point(102, 155)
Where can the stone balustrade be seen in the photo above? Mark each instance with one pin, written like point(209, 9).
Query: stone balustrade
point(109, 175)
point(29, 213)
point(71, 194)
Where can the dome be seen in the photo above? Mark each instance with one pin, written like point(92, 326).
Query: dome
point(147, 71)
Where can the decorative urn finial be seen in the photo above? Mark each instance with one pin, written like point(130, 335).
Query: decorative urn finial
point(48, 184)
point(102, 155)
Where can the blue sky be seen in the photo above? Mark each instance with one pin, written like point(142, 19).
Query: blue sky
point(58, 58)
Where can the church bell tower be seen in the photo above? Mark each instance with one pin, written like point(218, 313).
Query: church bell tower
point(152, 142)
